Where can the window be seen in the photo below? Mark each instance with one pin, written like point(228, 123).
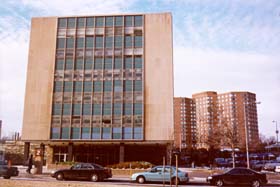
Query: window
point(106, 133)
point(75, 133)
point(89, 63)
point(138, 21)
point(79, 63)
point(59, 64)
point(62, 22)
point(128, 21)
point(109, 42)
point(128, 62)
point(118, 21)
point(81, 22)
point(99, 22)
point(109, 21)
point(58, 86)
point(87, 86)
point(137, 108)
point(138, 41)
point(90, 22)
point(138, 133)
point(117, 133)
point(128, 85)
point(138, 62)
point(69, 43)
point(117, 108)
point(78, 86)
point(71, 22)
point(118, 63)
point(65, 133)
point(89, 42)
point(99, 41)
point(60, 43)
point(69, 63)
point(56, 110)
point(66, 109)
point(76, 109)
point(85, 133)
point(127, 132)
point(87, 109)
point(128, 42)
point(118, 41)
point(108, 63)
point(97, 86)
point(98, 63)
point(96, 109)
point(107, 86)
point(80, 42)
point(68, 86)
point(137, 85)
point(55, 133)
point(117, 86)
point(106, 109)
point(96, 133)
point(127, 108)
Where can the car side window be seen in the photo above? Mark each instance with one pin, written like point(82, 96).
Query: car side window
point(247, 172)
point(234, 172)
point(77, 166)
point(158, 169)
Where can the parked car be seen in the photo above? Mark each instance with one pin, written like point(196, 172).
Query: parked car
point(277, 169)
point(6, 171)
point(258, 166)
point(160, 174)
point(83, 171)
point(271, 166)
point(238, 176)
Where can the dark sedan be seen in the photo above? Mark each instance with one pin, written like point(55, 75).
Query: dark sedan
point(238, 176)
point(83, 171)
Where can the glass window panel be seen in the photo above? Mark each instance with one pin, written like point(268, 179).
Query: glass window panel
point(118, 21)
point(62, 22)
point(128, 41)
point(128, 85)
point(80, 42)
point(138, 133)
point(69, 63)
point(117, 132)
point(65, 134)
point(118, 41)
point(99, 41)
point(106, 133)
point(117, 86)
point(70, 43)
point(60, 43)
point(90, 22)
point(86, 133)
point(107, 109)
point(89, 42)
point(138, 85)
point(81, 22)
point(79, 63)
point(128, 62)
point(138, 21)
point(107, 86)
point(66, 109)
point(96, 133)
point(127, 108)
point(68, 86)
point(97, 86)
point(71, 22)
point(56, 110)
point(98, 63)
point(99, 22)
point(87, 109)
point(55, 133)
point(96, 109)
point(78, 86)
point(109, 21)
point(108, 63)
point(87, 86)
point(117, 108)
point(138, 41)
point(75, 133)
point(138, 62)
point(118, 63)
point(76, 109)
point(127, 132)
point(58, 86)
point(128, 21)
point(59, 64)
point(138, 108)
point(109, 42)
point(89, 63)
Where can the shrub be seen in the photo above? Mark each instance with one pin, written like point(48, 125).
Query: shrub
point(133, 165)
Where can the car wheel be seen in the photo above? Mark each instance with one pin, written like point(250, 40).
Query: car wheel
point(174, 180)
point(256, 183)
point(7, 177)
point(94, 178)
point(219, 182)
point(141, 179)
point(59, 177)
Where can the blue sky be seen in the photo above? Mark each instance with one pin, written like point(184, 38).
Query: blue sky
point(218, 45)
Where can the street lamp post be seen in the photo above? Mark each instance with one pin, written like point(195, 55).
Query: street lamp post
point(276, 131)
point(246, 132)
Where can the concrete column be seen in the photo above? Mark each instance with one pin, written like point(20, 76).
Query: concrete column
point(168, 154)
point(26, 150)
point(70, 152)
point(121, 157)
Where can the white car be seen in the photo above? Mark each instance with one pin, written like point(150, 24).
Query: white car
point(277, 169)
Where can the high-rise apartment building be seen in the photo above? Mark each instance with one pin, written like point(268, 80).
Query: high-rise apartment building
point(184, 123)
point(100, 88)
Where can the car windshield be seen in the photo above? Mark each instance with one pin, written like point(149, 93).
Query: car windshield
point(97, 166)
